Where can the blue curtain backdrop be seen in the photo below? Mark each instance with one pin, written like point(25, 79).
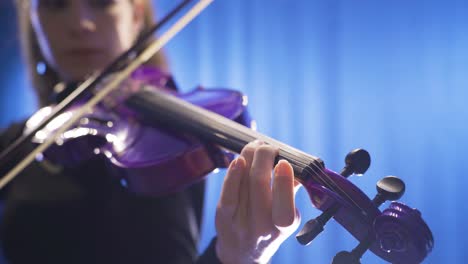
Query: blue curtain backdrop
point(327, 76)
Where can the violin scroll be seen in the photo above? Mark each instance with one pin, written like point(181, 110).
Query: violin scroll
point(402, 234)
point(398, 234)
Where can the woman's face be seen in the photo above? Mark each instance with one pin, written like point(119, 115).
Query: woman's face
point(78, 37)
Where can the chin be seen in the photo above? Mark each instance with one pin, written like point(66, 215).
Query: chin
point(79, 70)
point(78, 73)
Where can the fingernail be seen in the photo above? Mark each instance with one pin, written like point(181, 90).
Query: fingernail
point(281, 169)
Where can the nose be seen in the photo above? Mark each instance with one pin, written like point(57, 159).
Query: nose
point(82, 18)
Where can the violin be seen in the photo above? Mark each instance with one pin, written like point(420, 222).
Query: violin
point(159, 141)
point(142, 153)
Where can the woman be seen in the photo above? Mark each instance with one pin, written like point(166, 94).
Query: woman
point(81, 214)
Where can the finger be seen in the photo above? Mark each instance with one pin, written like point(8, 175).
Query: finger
point(260, 182)
point(247, 153)
point(283, 206)
point(286, 231)
point(230, 193)
point(249, 150)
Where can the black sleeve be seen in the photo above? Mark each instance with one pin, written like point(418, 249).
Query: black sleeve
point(84, 215)
point(52, 219)
point(8, 136)
point(209, 255)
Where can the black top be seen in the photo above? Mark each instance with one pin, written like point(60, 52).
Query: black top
point(83, 215)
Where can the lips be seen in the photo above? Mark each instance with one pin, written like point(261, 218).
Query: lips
point(83, 52)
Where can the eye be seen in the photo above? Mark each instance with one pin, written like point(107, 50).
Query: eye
point(102, 3)
point(52, 4)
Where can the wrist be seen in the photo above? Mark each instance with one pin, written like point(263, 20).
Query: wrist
point(234, 255)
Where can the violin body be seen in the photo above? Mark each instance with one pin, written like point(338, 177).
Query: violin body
point(148, 159)
point(161, 160)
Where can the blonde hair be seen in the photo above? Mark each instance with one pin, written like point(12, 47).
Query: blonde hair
point(43, 83)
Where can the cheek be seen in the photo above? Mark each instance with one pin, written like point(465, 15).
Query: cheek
point(126, 31)
point(47, 33)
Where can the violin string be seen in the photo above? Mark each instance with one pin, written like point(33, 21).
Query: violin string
point(321, 175)
point(249, 135)
point(295, 155)
point(219, 123)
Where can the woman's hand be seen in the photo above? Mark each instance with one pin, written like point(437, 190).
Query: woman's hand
point(253, 216)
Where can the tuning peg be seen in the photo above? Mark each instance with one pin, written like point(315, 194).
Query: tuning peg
point(345, 257)
point(353, 257)
point(390, 188)
point(315, 226)
point(357, 162)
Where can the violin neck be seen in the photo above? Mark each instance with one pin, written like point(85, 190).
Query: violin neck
point(172, 112)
